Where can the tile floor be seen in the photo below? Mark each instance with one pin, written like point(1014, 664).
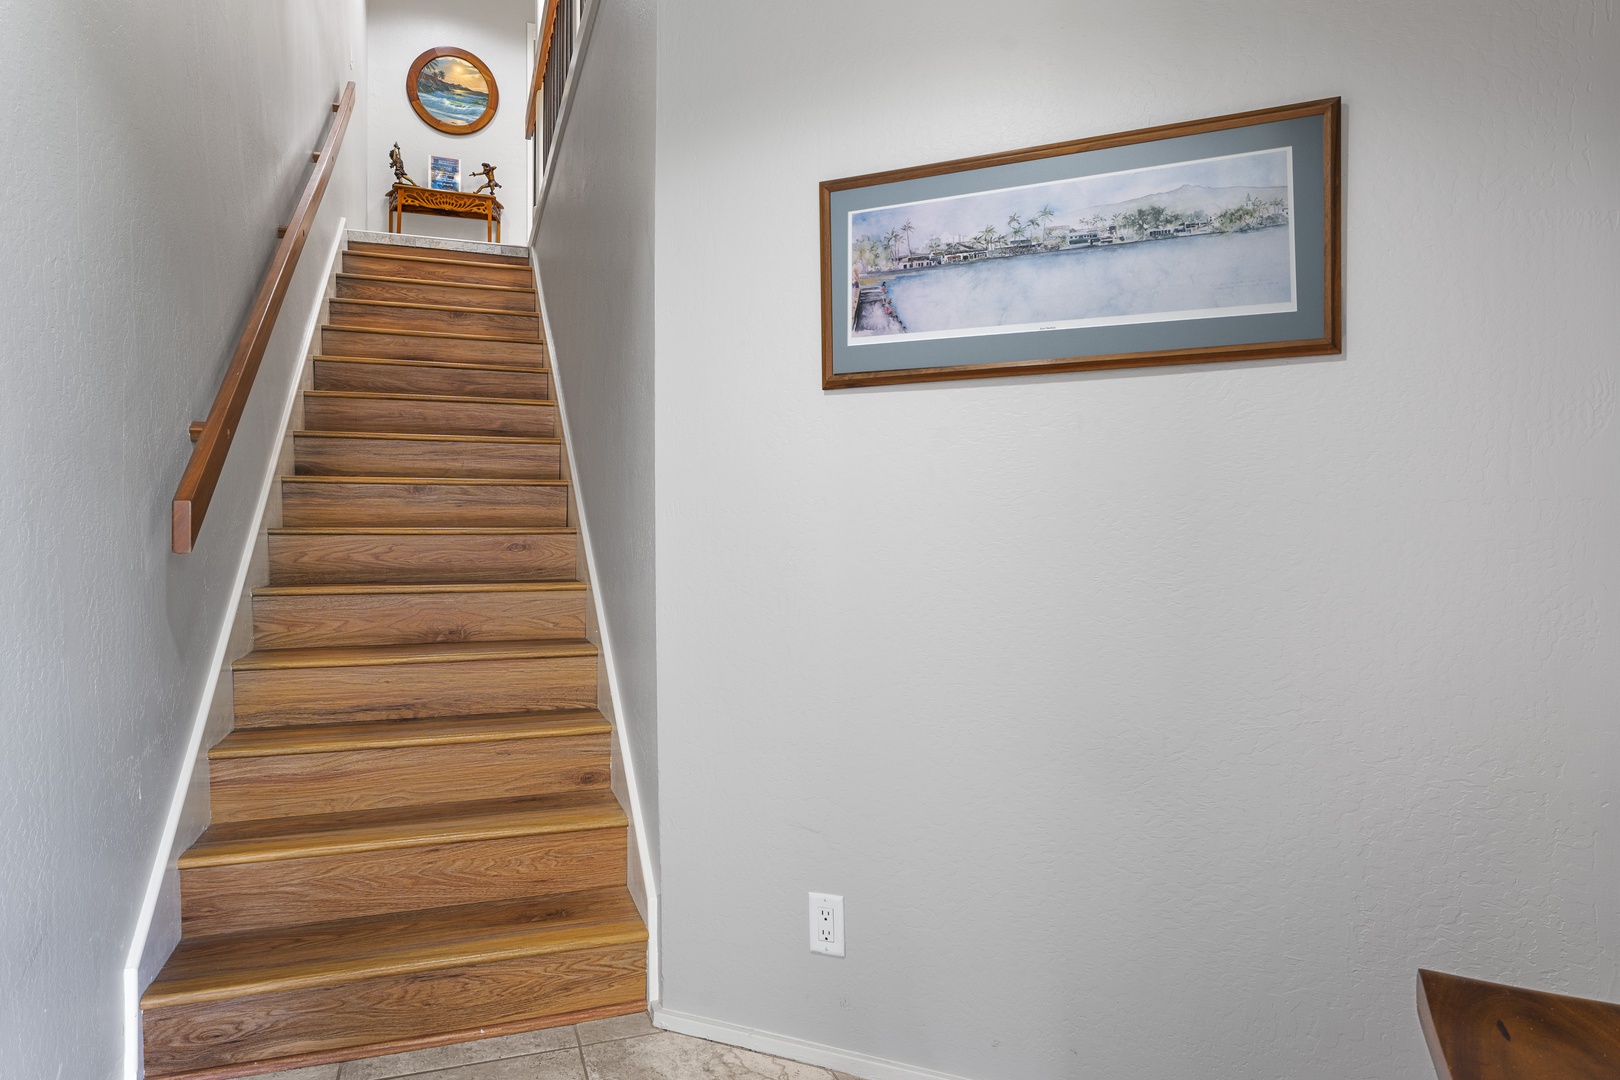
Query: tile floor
point(623, 1048)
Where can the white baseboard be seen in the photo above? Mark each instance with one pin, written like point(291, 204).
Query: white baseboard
point(157, 930)
point(785, 1046)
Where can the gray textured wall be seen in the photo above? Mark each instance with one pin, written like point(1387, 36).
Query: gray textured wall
point(165, 142)
point(1153, 724)
point(594, 251)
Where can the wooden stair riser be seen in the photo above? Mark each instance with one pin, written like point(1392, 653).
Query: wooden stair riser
point(415, 378)
point(267, 698)
point(435, 292)
point(291, 892)
point(310, 501)
point(436, 270)
point(350, 619)
point(317, 455)
point(429, 417)
point(405, 558)
point(336, 341)
point(359, 315)
point(361, 247)
point(393, 1008)
point(247, 789)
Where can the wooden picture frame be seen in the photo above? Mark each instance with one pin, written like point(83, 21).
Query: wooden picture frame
point(1117, 266)
point(446, 104)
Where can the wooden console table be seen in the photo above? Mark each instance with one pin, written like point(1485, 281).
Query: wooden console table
point(403, 198)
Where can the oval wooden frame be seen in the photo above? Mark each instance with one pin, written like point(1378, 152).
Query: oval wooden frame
point(428, 118)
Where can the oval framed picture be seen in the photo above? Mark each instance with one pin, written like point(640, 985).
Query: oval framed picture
point(452, 91)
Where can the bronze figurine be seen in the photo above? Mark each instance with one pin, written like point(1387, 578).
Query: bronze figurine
point(490, 184)
point(398, 165)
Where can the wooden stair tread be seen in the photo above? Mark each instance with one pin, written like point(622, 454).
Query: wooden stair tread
point(453, 335)
point(259, 961)
point(388, 395)
point(393, 734)
point(362, 589)
point(453, 365)
point(424, 258)
point(233, 843)
point(416, 436)
point(434, 307)
point(444, 652)
point(431, 281)
point(421, 530)
point(473, 481)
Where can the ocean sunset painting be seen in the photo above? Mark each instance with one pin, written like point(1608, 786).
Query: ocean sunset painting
point(453, 91)
point(1197, 239)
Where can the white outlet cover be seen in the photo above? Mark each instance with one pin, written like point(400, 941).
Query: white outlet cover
point(826, 924)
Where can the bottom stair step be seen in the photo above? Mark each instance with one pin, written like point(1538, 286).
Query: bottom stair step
point(334, 991)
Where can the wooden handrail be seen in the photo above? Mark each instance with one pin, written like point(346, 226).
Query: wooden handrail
point(1488, 1031)
point(540, 66)
point(197, 483)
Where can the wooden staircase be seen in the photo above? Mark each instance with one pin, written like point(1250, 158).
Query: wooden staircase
point(413, 837)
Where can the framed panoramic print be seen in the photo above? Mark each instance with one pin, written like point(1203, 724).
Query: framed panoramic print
point(452, 91)
point(1186, 244)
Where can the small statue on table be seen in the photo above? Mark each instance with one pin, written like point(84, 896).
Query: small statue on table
point(397, 163)
point(490, 183)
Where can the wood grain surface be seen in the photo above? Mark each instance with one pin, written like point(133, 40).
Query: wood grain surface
point(470, 294)
point(320, 556)
point(248, 789)
point(343, 615)
point(392, 500)
point(423, 268)
point(390, 314)
point(256, 895)
point(386, 376)
point(431, 345)
point(1488, 1031)
point(415, 414)
point(386, 734)
point(378, 454)
point(468, 687)
point(376, 1011)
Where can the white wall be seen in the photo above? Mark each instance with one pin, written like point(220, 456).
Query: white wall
point(163, 171)
point(1154, 724)
point(594, 252)
point(495, 31)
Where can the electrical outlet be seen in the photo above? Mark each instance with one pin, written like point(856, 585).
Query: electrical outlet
point(826, 924)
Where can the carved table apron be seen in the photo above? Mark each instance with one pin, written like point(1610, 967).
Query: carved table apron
point(403, 198)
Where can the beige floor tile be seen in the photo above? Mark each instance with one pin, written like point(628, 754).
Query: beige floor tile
point(314, 1072)
point(467, 1053)
point(556, 1065)
point(668, 1056)
point(614, 1027)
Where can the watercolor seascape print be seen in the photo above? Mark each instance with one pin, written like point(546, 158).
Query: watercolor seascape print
point(1188, 240)
point(453, 91)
